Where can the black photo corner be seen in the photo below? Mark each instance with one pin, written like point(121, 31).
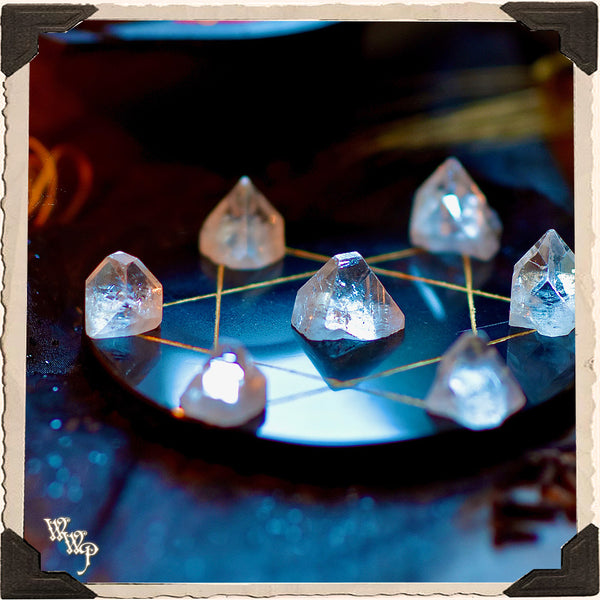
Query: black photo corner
point(363, 467)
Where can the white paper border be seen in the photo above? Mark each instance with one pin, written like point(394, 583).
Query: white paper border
point(14, 128)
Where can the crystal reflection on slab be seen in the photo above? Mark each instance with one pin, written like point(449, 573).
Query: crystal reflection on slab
point(544, 366)
point(448, 268)
point(343, 360)
point(131, 358)
point(447, 306)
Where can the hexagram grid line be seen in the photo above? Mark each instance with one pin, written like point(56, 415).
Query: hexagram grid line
point(297, 396)
point(220, 274)
point(395, 397)
point(469, 285)
point(291, 371)
point(386, 373)
point(445, 284)
point(334, 383)
point(243, 288)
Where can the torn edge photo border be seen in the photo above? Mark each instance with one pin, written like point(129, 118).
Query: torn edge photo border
point(577, 25)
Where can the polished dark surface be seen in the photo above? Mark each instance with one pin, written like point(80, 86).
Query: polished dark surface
point(168, 129)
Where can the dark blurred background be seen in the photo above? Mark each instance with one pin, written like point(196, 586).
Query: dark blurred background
point(133, 142)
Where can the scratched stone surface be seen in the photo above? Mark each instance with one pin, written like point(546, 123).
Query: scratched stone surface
point(238, 506)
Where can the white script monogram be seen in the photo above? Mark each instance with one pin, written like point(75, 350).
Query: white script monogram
point(73, 539)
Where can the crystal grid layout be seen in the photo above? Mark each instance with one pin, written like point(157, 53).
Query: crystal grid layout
point(229, 391)
point(473, 386)
point(122, 298)
point(344, 299)
point(451, 214)
point(243, 231)
point(543, 288)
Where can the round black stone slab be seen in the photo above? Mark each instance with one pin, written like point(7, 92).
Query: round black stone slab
point(328, 393)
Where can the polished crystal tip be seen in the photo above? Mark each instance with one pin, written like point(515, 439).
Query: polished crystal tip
point(243, 231)
point(229, 391)
point(122, 298)
point(473, 386)
point(451, 214)
point(543, 288)
point(344, 299)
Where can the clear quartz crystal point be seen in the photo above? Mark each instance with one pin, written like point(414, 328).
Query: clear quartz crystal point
point(229, 391)
point(543, 288)
point(243, 231)
point(122, 298)
point(473, 386)
point(345, 300)
point(451, 214)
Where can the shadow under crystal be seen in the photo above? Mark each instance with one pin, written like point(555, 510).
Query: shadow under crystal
point(130, 358)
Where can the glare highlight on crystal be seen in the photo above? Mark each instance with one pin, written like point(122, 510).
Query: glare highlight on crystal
point(345, 300)
point(543, 288)
point(122, 298)
point(451, 214)
point(229, 391)
point(473, 386)
point(243, 231)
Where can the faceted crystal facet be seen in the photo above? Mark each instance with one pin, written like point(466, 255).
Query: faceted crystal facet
point(543, 288)
point(344, 299)
point(122, 298)
point(473, 386)
point(243, 231)
point(450, 214)
point(229, 391)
